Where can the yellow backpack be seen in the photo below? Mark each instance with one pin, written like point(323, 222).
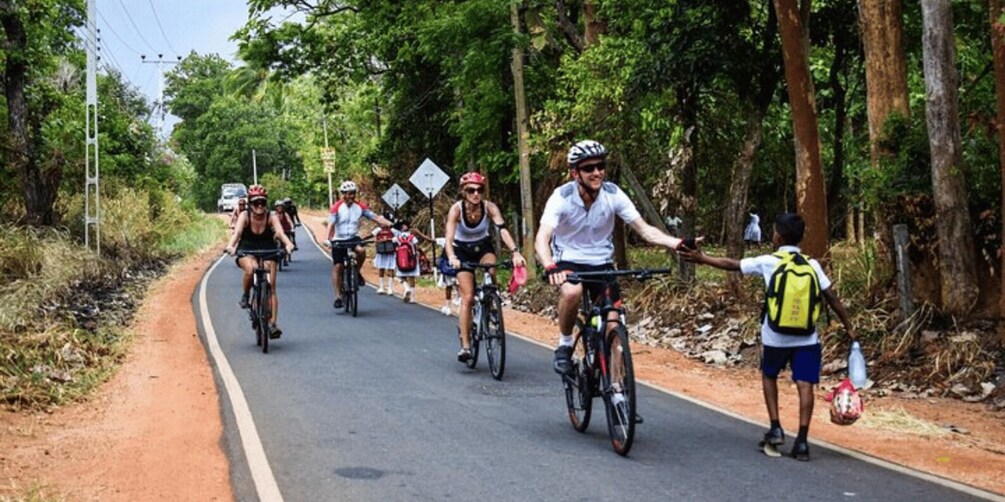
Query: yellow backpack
point(792, 302)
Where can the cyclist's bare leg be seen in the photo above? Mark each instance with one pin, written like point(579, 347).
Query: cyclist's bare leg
point(360, 258)
point(612, 318)
point(569, 298)
point(466, 285)
point(271, 265)
point(248, 266)
point(490, 258)
point(337, 279)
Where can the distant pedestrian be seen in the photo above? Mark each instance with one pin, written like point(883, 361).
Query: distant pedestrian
point(752, 234)
point(675, 225)
point(447, 279)
point(383, 261)
point(788, 335)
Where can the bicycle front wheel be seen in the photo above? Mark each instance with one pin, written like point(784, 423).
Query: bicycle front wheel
point(265, 314)
point(347, 289)
point(579, 385)
point(495, 336)
point(619, 393)
point(475, 337)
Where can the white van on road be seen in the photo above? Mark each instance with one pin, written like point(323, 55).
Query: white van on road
point(230, 193)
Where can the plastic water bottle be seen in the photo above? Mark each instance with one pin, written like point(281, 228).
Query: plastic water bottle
point(856, 366)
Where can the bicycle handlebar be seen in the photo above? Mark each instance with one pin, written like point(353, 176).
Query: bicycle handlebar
point(608, 275)
point(350, 244)
point(474, 265)
point(261, 253)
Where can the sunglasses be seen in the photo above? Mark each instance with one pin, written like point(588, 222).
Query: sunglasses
point(592, 167)
point(258, 203)
point(472, 190)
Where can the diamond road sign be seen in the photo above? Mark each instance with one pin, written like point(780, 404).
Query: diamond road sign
point(429, 178)
point(395, 197)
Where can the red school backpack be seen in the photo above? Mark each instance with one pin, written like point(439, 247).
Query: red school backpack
point(405, 255)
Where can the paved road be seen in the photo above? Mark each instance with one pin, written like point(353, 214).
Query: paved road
point(377, 408)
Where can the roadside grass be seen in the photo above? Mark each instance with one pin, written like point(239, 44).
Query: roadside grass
point(33, 493)
point(64, 310)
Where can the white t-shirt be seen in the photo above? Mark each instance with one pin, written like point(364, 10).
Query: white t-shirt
point(586, 236)
point(764, 266)
point(346, 218)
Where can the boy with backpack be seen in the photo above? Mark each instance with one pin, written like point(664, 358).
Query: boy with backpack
point(795, 288)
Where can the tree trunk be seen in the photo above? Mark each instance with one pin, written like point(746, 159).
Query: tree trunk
point(526, 230)
point(810, 199)
point(881, 24)
point(736, 204)
point(957, 262)
point(882, 27)
point(997, 10)
point(688, 109)
point(38, 187)
point(835, 197)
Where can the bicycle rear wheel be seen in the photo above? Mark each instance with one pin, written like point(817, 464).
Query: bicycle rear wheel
point(619, 394)
point(265, 314)
point(579, 386)
point(495, 337)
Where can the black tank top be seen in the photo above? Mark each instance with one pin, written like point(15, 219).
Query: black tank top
point(263, 241)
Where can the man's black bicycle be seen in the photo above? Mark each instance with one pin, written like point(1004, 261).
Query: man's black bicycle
point(487, 320)
point(351, 278)
point(602, 361)
point(260, 310)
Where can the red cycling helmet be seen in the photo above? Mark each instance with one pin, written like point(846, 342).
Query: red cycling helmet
point(473, 178)
point(257, 192)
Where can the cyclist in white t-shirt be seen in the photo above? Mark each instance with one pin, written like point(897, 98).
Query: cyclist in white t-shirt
point(343, 228)
point(575, 235)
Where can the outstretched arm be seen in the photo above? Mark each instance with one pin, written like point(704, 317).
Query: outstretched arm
point(696, 256)
point(835, 303)
point(651, 235)
point(507, 238)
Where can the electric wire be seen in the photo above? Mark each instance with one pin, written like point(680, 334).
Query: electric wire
point(116, 34)
point(133, 23)
point(161, 27)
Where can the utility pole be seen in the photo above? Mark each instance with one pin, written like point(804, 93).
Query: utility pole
point(161, 112)
point(92, 201)
point(526, 196)
point(326, 162)
point(254, 167)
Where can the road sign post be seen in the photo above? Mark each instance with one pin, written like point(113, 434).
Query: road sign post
point(395, 197)
point(429, 179)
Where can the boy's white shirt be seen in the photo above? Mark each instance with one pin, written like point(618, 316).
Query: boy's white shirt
point(764, 266)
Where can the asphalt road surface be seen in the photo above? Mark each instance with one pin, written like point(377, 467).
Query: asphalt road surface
point(377, 408)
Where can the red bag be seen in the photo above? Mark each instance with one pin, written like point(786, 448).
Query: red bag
point(518, 279)
point(846, 405)
point(405, 255)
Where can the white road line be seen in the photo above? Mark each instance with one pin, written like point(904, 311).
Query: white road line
point(258, 464)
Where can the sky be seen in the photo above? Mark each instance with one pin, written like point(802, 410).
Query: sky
point(132, 28)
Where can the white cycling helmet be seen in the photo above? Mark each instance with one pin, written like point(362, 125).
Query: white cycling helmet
point(347, 186)
point(586, 149)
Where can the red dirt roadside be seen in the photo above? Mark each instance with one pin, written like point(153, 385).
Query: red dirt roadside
point(153, 432)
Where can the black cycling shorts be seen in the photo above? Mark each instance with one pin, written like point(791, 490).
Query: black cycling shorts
point(473, 252)
point(594, 289)
point(339, 251)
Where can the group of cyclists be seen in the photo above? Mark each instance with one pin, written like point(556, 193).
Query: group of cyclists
point(575, 235)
